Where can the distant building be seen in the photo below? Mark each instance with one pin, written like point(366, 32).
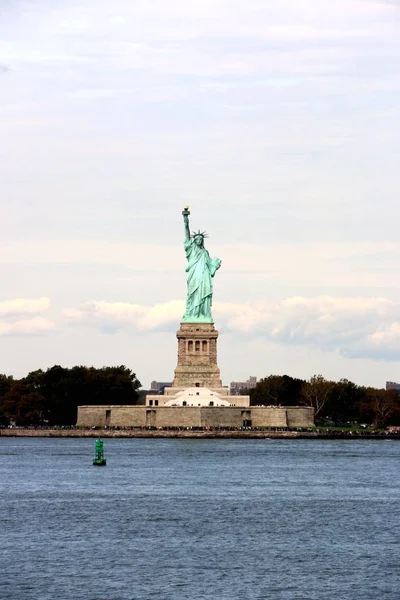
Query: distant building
point(237, 386)
point(158, 386)
point(392, 385)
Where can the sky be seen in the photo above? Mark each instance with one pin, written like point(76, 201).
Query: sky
point(276, 121)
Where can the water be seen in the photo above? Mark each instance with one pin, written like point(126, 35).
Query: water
point(199, 519)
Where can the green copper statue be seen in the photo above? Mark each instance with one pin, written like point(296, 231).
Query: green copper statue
point(200, 269)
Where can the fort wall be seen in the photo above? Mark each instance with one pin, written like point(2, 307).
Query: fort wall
point(193, 416)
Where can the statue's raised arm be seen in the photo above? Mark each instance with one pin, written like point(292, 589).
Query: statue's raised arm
point(200, 269)
point(186, 214)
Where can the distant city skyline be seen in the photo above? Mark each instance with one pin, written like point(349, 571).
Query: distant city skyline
point(234, 386)
point(393, 385)
point(156, 386)
point(237, 386)
point(277, 122)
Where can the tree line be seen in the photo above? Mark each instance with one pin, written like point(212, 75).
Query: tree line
point(51, 397)
point(338, 402)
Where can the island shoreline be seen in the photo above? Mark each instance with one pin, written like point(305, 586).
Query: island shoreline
point(189, 433)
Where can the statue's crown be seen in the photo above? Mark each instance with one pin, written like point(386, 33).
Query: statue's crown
point(199, 233)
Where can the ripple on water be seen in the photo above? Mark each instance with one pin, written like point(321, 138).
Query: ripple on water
point(220, 519)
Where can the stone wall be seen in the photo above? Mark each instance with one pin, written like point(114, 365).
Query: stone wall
point(92, 416)
point(177, 416)
point(131, 416)
point(197, 356)
point(221, 417)
point(192, 416)
point(300, 416)
point(204, 433)
point(276, 417)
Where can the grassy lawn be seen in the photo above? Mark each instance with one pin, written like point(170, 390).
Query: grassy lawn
point(349, 427)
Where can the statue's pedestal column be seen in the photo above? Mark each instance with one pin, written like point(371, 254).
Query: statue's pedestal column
point(197, 356)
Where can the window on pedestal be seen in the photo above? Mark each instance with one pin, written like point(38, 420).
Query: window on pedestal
point(197, 346)
point(204, 346)
point(190, 346)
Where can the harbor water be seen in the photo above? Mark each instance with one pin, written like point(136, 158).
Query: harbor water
point(199, 519)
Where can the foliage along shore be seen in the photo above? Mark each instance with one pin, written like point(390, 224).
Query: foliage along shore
point(51, 397)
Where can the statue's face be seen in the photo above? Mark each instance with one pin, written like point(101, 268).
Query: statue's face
point(198, 240)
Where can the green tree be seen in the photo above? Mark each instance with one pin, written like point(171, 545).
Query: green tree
point(344, 400)
point(22, 405)
point(277, 390)
point(6, 382)
point(66, 389)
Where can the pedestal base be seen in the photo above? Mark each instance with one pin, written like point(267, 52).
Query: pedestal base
point(197, 356)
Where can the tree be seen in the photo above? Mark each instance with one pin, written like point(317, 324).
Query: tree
point(316, 392)
point(22, 405)
point(277, 390)
point(381, 407)
point(6, 381)
point(64, 389)
point(344, 401)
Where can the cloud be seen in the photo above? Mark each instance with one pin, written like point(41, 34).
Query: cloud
point(273, 120)
point(24, 306)
point(186, 38)
point(352, 327)
point(33, 326)
point(113, 316)
point(13, 315)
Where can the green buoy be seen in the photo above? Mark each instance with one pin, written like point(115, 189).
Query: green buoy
point(99, 460)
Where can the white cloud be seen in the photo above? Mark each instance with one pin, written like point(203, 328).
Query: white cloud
point(275, 120)
point(33, 326)
point(353, 327)
point(176, 37)
point(24, 306)
point(21, 316)
point(112, 316)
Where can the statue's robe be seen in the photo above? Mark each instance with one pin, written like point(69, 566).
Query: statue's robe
point(200, 269)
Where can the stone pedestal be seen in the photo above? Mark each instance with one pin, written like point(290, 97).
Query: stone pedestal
point(197, 357)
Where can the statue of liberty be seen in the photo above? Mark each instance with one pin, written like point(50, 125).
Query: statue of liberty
point(200, 269)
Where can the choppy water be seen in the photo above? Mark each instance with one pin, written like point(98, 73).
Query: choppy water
point(199, 519)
